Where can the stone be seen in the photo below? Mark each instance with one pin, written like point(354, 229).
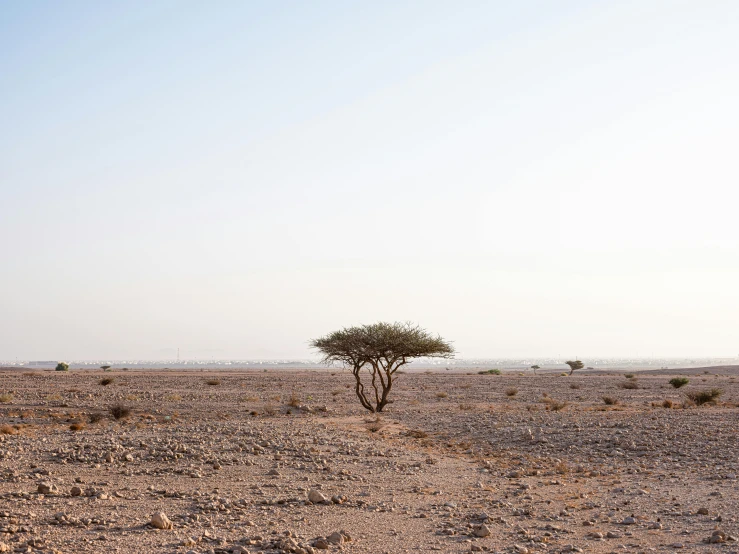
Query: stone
point(316, 497)
point(160, 521)
point(321, 544)
point(47, 488)
point(702, 511)
point(482, 531)
point(75, 491)
point(629, 520)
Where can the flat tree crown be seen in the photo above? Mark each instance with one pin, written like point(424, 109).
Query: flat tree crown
point(390, 343)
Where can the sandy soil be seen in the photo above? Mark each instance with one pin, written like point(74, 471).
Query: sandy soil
point(454, 465)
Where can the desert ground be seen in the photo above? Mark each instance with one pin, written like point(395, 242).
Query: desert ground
point(287, 461)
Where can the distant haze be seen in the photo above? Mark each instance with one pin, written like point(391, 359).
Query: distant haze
point(525, 178)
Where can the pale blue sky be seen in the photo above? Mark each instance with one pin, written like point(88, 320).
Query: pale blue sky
point(234, 178)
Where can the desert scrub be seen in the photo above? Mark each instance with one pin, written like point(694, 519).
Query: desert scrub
point(105, 381)
point(120, 411)
point(6, 397)
point(707, 396)
point(629, 375)
point(489, 372)
point(511, 392)
point(678, 382)
point(630, 384)
point(609, 400)
point(294, 400)
point(442, 394)
point(95, 417)
point(77, 426)
point(213, 382)
point(62, 366)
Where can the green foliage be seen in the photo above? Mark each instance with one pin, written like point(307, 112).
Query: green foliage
point(574, 365)
point(379, 350)
point(62, 366)
point(489, 372)
point(705, 396)
point(678, 382)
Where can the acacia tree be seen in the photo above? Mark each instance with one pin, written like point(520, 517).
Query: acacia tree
point(375, 353)
point(576, 364)
point(535, 367)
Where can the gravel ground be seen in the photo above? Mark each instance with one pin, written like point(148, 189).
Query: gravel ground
point(286, 461)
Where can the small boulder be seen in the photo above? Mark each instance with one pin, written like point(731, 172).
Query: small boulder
point(161, 521)
point(47, 488)
point(482, 531)
point(316, 497)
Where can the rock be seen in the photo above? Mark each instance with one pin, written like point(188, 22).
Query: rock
point(321, 544)
point(316, 497)
point(4, 547)
point(335, 538)
point(75, 491)
point(47, 488)
point(571, 548)
point(717, 537)
point(482, 531)
point(702, 511)
point(629, 521)
point(161, 521)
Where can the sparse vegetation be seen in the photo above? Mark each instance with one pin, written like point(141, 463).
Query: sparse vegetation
point(105, 367)
point(609, 400)
point(213, 382)
point(79, 426)
point(106, 381)
point(6, 397)
point(294, 401)
point(534, 368)
point(631, 384)
point(62, 366)
point(511, 392)
point(678, 382)
point(667, 403)
point(489, 372)
point(10, 429)
point(442, 394)
point(629, 375)
point(707, 396)
point(120, 411)
point(379, 350)
point(575, 365)
point(95, 417)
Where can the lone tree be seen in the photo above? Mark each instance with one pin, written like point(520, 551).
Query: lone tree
point(375, 353)
point(535, 367)
point(576, 364)
point(62, 366)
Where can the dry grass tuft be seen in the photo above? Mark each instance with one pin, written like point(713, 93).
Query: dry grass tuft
point(707, 396)
point(294, 401)
point(119, 411)
point(77, 426)
point(610, 401)
point(11, 429)
point(466, 407)
point(213, 382)
point(105, 381)
point(95, 417)
point(442, 394)
point(667, 404)
point(6, 397)
point(630, 384)
point(511, 392)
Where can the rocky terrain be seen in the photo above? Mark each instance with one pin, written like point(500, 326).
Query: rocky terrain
point(286, 461)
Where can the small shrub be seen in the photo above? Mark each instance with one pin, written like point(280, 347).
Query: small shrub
point(77, 427)
point(556, 406)
point(416, 434)
point(106, 381)
point(707, 396)
point(10, 429)
point(631, 384)
point(213, 382)
point(294, 400)
point(629, 375)
point(610, 401)
point(6, 397)
point(442, 394)
point(62, 366)
point(489, 372)
point(95, 417)
point(511, 392)
point(563, 374)
point(466, 407)
point(270, 410)
point(575, 386)
point(105, 367)
point(678, 382)
point(667, 404)
point(119, 411)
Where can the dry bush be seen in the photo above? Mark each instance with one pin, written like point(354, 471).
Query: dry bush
point(336, 392)
point(375, 424)
point(466, 407)
point(105, 381)
point(511, 392)
point(678, 382)
point(119, 411)
point(667, 403)
point(552, 404)
point(6, 397)
point(574, 386)
point(77, 426)
point(707, 396)
point(275, 398)
point(630, 384)
point(11, 429)
point(442, 394)
point(610, 401)
point(95, 417)
point(270, 410)
point(212, 382)
point(294, 401)
point(629, 375)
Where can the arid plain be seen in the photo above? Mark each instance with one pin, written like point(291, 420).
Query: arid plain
point(288, 461)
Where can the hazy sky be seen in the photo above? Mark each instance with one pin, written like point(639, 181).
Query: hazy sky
point(234, 178)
